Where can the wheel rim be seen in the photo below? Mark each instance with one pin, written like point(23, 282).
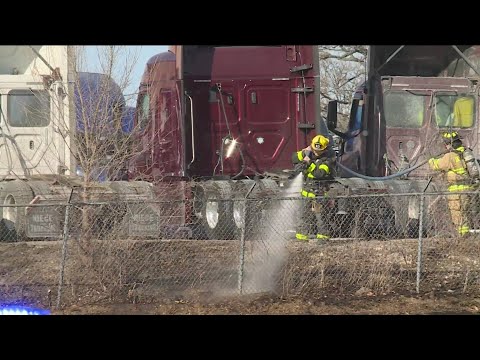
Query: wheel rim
point(211, 213)
point(239, 213)
point(10, 213)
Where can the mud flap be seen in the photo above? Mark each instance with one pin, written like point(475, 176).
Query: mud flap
point(316, 207)
point(413, 221)
point(413, 208)
point(142, 220)
point(45, 221)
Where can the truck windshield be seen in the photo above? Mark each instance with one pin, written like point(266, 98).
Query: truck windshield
point(404, 109)
point(454, 110)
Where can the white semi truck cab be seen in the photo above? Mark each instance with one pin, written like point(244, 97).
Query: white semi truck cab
point(37, 145)
point(35, 118)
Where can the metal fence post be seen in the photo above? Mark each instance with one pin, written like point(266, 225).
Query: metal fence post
point(420, 242)
point(64, 250)
point(242, 241)
point(242, 253)
point(420, 234)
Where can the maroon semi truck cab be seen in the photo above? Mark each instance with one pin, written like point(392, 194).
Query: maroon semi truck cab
point(416, 111)
point(222, 115)
point(158, 126)
point(419, 92)
point(419, 109)
point(231, 111)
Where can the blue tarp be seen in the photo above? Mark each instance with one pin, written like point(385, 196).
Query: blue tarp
point(127, 119)
point(98, 101)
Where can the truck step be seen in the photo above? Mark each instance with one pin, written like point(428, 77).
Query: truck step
point(306, 126)
point(302, 90)
point(303, 67)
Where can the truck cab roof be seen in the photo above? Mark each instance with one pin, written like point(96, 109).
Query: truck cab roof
point(416, 60)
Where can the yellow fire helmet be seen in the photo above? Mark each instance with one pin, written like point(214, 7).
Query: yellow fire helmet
point(319, 143)
point(450, 137)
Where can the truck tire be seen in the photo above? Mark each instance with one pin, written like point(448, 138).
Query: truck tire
point(13, 221)
point(118, 213)
point(241, 209)
point(266, 216)
point(248, 213)
point(40, 187)
point(341, 225)
point(253, 212)
point(373, 219)
point(216, 217)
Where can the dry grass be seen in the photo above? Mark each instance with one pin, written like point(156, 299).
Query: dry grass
point(137, 271)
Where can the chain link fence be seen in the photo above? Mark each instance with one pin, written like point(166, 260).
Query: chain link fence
point(121, 250)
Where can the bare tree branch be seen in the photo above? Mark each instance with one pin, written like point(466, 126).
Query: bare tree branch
point(341, 69)
point(356, 53)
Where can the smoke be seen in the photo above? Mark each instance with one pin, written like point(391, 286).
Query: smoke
point(269, 252)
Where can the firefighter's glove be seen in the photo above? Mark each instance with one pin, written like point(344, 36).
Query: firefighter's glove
point(327, 168)
point(328, 162)
point(300, 167)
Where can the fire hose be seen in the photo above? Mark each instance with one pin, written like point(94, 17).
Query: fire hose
point(301, 167)
point(388, 177)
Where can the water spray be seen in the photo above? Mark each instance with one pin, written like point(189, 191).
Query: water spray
point(272, 235)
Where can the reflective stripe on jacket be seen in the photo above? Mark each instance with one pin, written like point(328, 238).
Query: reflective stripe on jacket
point(313, 173)
point(453, 165)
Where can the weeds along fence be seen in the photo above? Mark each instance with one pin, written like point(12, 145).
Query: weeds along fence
point(124, 251)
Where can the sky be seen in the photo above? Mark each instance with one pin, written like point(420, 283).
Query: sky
point(140, 53)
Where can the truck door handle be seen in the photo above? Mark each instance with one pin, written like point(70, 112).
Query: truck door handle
point(253, 97)
point(191, 124)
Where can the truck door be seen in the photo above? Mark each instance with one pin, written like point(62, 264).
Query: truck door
point(269, 106)
point(220, 119)
point(167, 154)
point(28, 143)
point(268, 124)
point(143, 136)
point(259, 114)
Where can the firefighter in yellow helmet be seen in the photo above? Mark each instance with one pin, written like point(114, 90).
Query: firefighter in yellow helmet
point(454, 169)
point(316, 166)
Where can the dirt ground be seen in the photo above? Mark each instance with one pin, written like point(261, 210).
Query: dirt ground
point(38, 264)
point(266, 304)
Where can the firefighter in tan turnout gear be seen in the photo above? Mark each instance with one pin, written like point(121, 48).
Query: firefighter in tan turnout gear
point(315, 165)
point(459, 168)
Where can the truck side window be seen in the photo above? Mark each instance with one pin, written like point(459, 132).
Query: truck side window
point(355, 122)
point(28, 108)
point(353, 114)
point(212, 96)
point(356, 111)
point(457, 111)
point(144, 112)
